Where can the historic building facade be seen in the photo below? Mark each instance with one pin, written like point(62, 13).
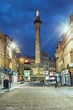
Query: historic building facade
point(2, 50)
point(24, 69)
point(45, 61)
point(64, 55)
point(49, 65)
point(52, 68)
point(8, 58)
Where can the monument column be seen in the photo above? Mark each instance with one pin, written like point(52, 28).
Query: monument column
point(37, 23)
point(37, 67)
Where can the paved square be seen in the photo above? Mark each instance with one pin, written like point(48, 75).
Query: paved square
point(27, 97)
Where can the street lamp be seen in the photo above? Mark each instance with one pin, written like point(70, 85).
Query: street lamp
point(13, 45)
point(22, 60)
point(64, 28)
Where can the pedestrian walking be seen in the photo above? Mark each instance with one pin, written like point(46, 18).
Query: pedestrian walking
point(6, 83)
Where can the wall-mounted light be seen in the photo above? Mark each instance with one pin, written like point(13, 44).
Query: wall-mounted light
point(13, 45)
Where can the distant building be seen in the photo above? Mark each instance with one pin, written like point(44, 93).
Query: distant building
point(24, 67)
point(45, 62)
point(49, 64)
point(52, 68)
point(52, 64)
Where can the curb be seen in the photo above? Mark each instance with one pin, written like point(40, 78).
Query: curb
point(13, 86)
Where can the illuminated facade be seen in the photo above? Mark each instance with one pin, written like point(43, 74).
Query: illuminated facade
point(64, 53)
point(7, 53)
point(2, 51)
point(24, 67)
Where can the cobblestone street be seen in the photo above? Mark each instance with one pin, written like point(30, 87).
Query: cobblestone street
point(27, 97)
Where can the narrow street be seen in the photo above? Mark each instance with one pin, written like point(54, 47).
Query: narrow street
point(33, 96)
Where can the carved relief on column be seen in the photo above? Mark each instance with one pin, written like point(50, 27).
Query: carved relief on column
point(37, 48)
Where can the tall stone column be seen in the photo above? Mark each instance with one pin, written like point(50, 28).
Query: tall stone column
point(37, 23)
point(37, 67)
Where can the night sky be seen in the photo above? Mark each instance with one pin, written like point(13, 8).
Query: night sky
point(17, 20)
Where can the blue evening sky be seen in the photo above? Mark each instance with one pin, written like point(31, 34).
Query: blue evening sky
point(17, 20)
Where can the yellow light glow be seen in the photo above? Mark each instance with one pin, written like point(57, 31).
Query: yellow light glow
point(21, 60)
